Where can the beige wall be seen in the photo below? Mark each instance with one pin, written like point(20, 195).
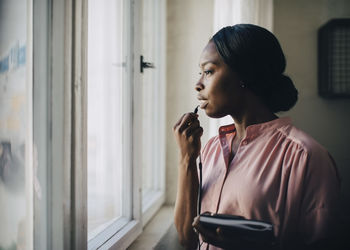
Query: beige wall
point(328, 121)
point(189, 27)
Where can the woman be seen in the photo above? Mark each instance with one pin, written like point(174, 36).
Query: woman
point(262, 167)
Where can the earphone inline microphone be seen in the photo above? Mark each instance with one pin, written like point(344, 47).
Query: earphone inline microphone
point(199, 201)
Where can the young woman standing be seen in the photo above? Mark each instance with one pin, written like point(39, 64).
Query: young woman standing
point(261, 167)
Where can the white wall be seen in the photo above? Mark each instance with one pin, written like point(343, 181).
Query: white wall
point(295, 25)
point(189, 28)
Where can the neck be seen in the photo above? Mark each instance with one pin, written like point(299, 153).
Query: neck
point(256, 115)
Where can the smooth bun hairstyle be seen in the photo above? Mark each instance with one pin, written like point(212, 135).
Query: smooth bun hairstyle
point(256, 55)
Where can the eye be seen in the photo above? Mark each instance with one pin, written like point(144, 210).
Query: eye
point(207, 72)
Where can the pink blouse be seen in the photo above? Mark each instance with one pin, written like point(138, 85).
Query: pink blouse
point(279, 175)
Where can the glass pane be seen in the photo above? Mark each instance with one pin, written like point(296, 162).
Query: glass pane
point(106, 73)
point(150, 113)
point(16, 192)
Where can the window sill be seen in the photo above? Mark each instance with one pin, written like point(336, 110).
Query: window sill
point(155, 229)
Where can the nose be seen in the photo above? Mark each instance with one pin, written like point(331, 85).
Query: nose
point(199, 86)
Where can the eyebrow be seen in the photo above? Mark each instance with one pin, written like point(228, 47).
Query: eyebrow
point(206, 62)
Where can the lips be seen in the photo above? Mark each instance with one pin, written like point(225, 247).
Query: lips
point(203, 104)
point(203, 101)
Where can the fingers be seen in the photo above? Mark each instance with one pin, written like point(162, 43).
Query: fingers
point(187, 132)
point(185, 121)
point(191, 128)
point(189, 125)
point(198, 132)
point(188, 121)
point(218, 236)
point(178, 122)
point(195, 221)
point(208, 235)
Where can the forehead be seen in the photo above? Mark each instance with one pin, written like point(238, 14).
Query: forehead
point(210, 54)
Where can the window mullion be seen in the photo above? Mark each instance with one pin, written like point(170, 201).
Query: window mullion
point(135, 51)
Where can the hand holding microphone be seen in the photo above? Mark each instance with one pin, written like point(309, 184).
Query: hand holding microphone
point(187, 132)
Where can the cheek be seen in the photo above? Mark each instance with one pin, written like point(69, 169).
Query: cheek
point(220, 102)
point(223, 92)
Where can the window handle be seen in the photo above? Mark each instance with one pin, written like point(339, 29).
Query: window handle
point(145, 65)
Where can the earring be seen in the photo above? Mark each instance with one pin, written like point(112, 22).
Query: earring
point(242, 85)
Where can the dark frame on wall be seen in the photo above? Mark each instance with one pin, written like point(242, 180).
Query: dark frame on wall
point(334, 59)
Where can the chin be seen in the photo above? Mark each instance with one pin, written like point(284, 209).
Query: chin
point(213, 114)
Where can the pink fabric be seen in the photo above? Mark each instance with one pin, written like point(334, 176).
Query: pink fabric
point(279, 175)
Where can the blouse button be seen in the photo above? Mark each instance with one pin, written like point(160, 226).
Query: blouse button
point(244, 142)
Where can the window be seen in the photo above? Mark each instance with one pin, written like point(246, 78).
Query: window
point(109, 120)
point(153, 108)
point(106, 80)
point(91, 112)
point(16, 138)
point(125, 119)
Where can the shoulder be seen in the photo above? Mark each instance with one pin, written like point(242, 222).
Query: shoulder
point(305, 142)
point(316, 157)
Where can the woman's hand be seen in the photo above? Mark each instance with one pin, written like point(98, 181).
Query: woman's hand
point(217, 237)
point(187, 132)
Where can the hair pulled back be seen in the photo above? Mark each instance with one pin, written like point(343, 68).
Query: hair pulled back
point(256, 55)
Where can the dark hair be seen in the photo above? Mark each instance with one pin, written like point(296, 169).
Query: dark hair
point(256, 55)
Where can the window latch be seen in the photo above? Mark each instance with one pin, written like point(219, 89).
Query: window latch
point(145, 65)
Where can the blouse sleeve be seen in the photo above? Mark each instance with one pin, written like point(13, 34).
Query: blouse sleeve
point(319, 203)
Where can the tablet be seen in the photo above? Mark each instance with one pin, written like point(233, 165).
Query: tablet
point(238, 226)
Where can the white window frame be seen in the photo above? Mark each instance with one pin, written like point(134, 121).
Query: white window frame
point(59, 123)
point(122, 232)
point(60, 131)
point(154, 199)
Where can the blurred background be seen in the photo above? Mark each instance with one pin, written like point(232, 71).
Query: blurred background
point(90, 91)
